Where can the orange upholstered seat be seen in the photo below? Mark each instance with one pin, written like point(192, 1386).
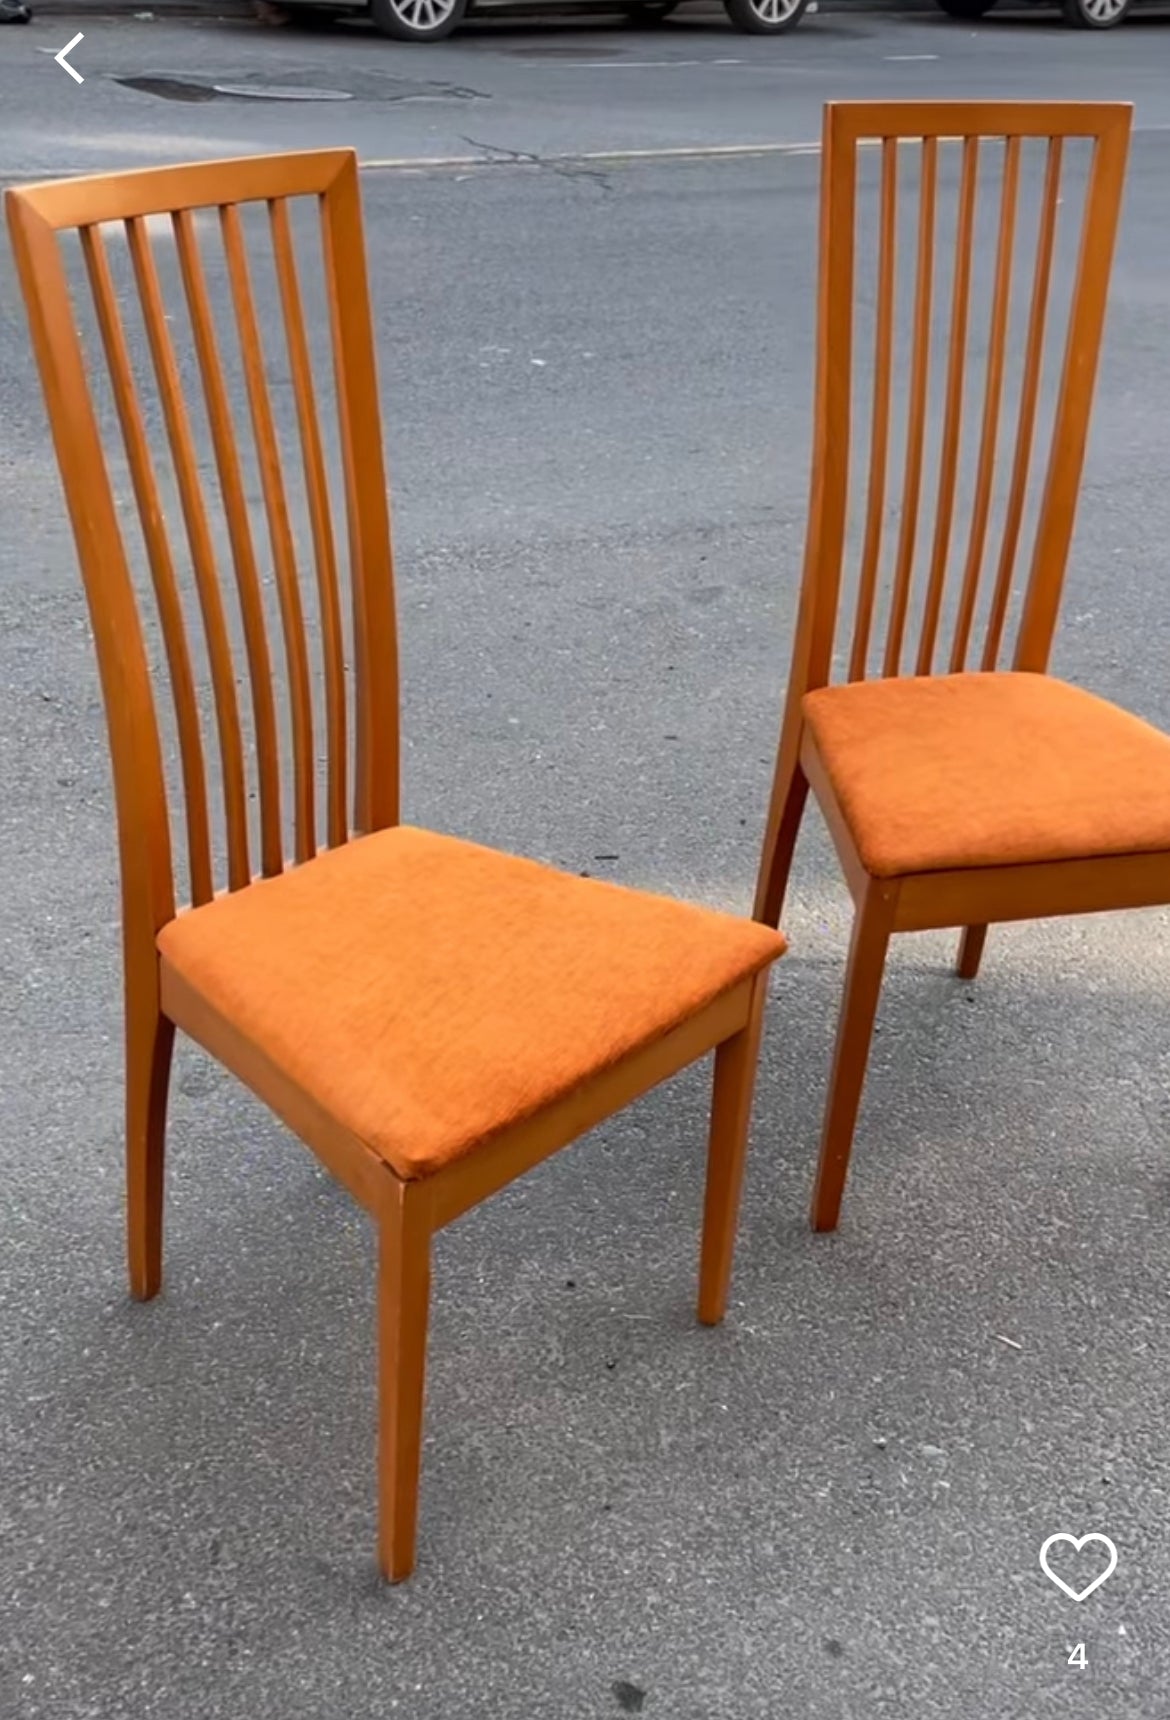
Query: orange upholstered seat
point(943, 772)
point(427, 992)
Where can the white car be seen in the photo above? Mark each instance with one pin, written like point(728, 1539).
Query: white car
point(428, 20)
point(1083, 14)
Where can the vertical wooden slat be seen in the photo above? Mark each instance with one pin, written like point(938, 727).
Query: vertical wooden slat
point(235, 506)
point(916, 414)
point(953, 408)
point(1029, 397)
point(992, 399)
point(320, 521)
point(376, 760)
point(1070, 425)
point(194, 512)
point(160, 560)
point(880, 421)
point(280, 531)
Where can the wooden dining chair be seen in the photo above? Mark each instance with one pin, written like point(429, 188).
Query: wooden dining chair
point(431, 1017)
point(957, 792)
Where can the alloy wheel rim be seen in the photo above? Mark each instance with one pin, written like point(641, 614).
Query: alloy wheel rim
point(1103, 11)
point(423, 14)
point(779, 11)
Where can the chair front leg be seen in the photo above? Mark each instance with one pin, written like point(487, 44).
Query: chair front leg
point(736, 1061)
point(872, 925)
point(404, 1282)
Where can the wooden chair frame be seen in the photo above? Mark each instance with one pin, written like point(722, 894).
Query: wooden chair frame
point(407, 1213)
point(971, 899)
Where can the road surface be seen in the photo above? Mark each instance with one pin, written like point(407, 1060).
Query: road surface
point(595, 326)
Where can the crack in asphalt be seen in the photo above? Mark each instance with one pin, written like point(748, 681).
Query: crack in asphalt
point(527, 158)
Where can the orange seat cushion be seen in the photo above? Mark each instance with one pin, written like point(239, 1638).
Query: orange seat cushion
point(949, 771)
point(428, 992)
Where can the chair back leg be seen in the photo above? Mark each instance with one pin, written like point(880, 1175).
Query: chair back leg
point(150, 1040)
point(872, 925)
point(784, 818)
point(970, 951)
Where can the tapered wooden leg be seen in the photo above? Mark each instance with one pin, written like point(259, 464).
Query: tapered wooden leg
point(863, 979)
point(736, 1061)
point(150, 1040)
point(788, 797)
point(404, 1279)
point(970, 951)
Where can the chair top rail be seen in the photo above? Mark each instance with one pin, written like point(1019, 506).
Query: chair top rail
point(94, 198)
point(851, 122)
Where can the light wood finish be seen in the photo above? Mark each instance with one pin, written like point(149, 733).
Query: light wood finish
point(235, 505)
point(150, 1038)
point(992, 398)
point(872, 925)
point(404, 1288)
point(196, 519)
point(971, 951)
point(279, 528)
point(361, 741)
point(916, 416)
point(735, 1073)
point(883, 365)
point(952, 411)
point(1029, 394)
point(162, 566)
point(985, 132)
point(320, 516)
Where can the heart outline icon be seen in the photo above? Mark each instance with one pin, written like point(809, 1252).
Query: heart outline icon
point(1076, 1545)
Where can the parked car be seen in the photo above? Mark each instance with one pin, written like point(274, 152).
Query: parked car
point(428, 20)
point(1083, 14)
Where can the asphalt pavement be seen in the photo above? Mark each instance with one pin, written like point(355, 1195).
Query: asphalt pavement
point(595, 326)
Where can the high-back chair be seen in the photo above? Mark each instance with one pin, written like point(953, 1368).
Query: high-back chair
point(959, 789)
point(431, 1017)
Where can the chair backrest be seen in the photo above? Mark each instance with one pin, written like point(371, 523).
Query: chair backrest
point(167, 276)
point(951, 295)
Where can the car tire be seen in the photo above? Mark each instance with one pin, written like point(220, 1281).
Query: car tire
point(417, 20)
point(965, 9)
point(649, 11)
point(1094, 14)
point(765, 17)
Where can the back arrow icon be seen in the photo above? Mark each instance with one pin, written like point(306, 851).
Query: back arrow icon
point(68, 49)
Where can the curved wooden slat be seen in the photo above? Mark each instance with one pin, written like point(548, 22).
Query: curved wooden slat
point(194, 512)
point(235, 506)
point(160, 561)
point(376, 759)
point(279, 529)
point(1074, 397)
point(880, 420)
point(992, 400)
point(916, 414)
point(1029, 398)
point(320, 519)
point(953, 408)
